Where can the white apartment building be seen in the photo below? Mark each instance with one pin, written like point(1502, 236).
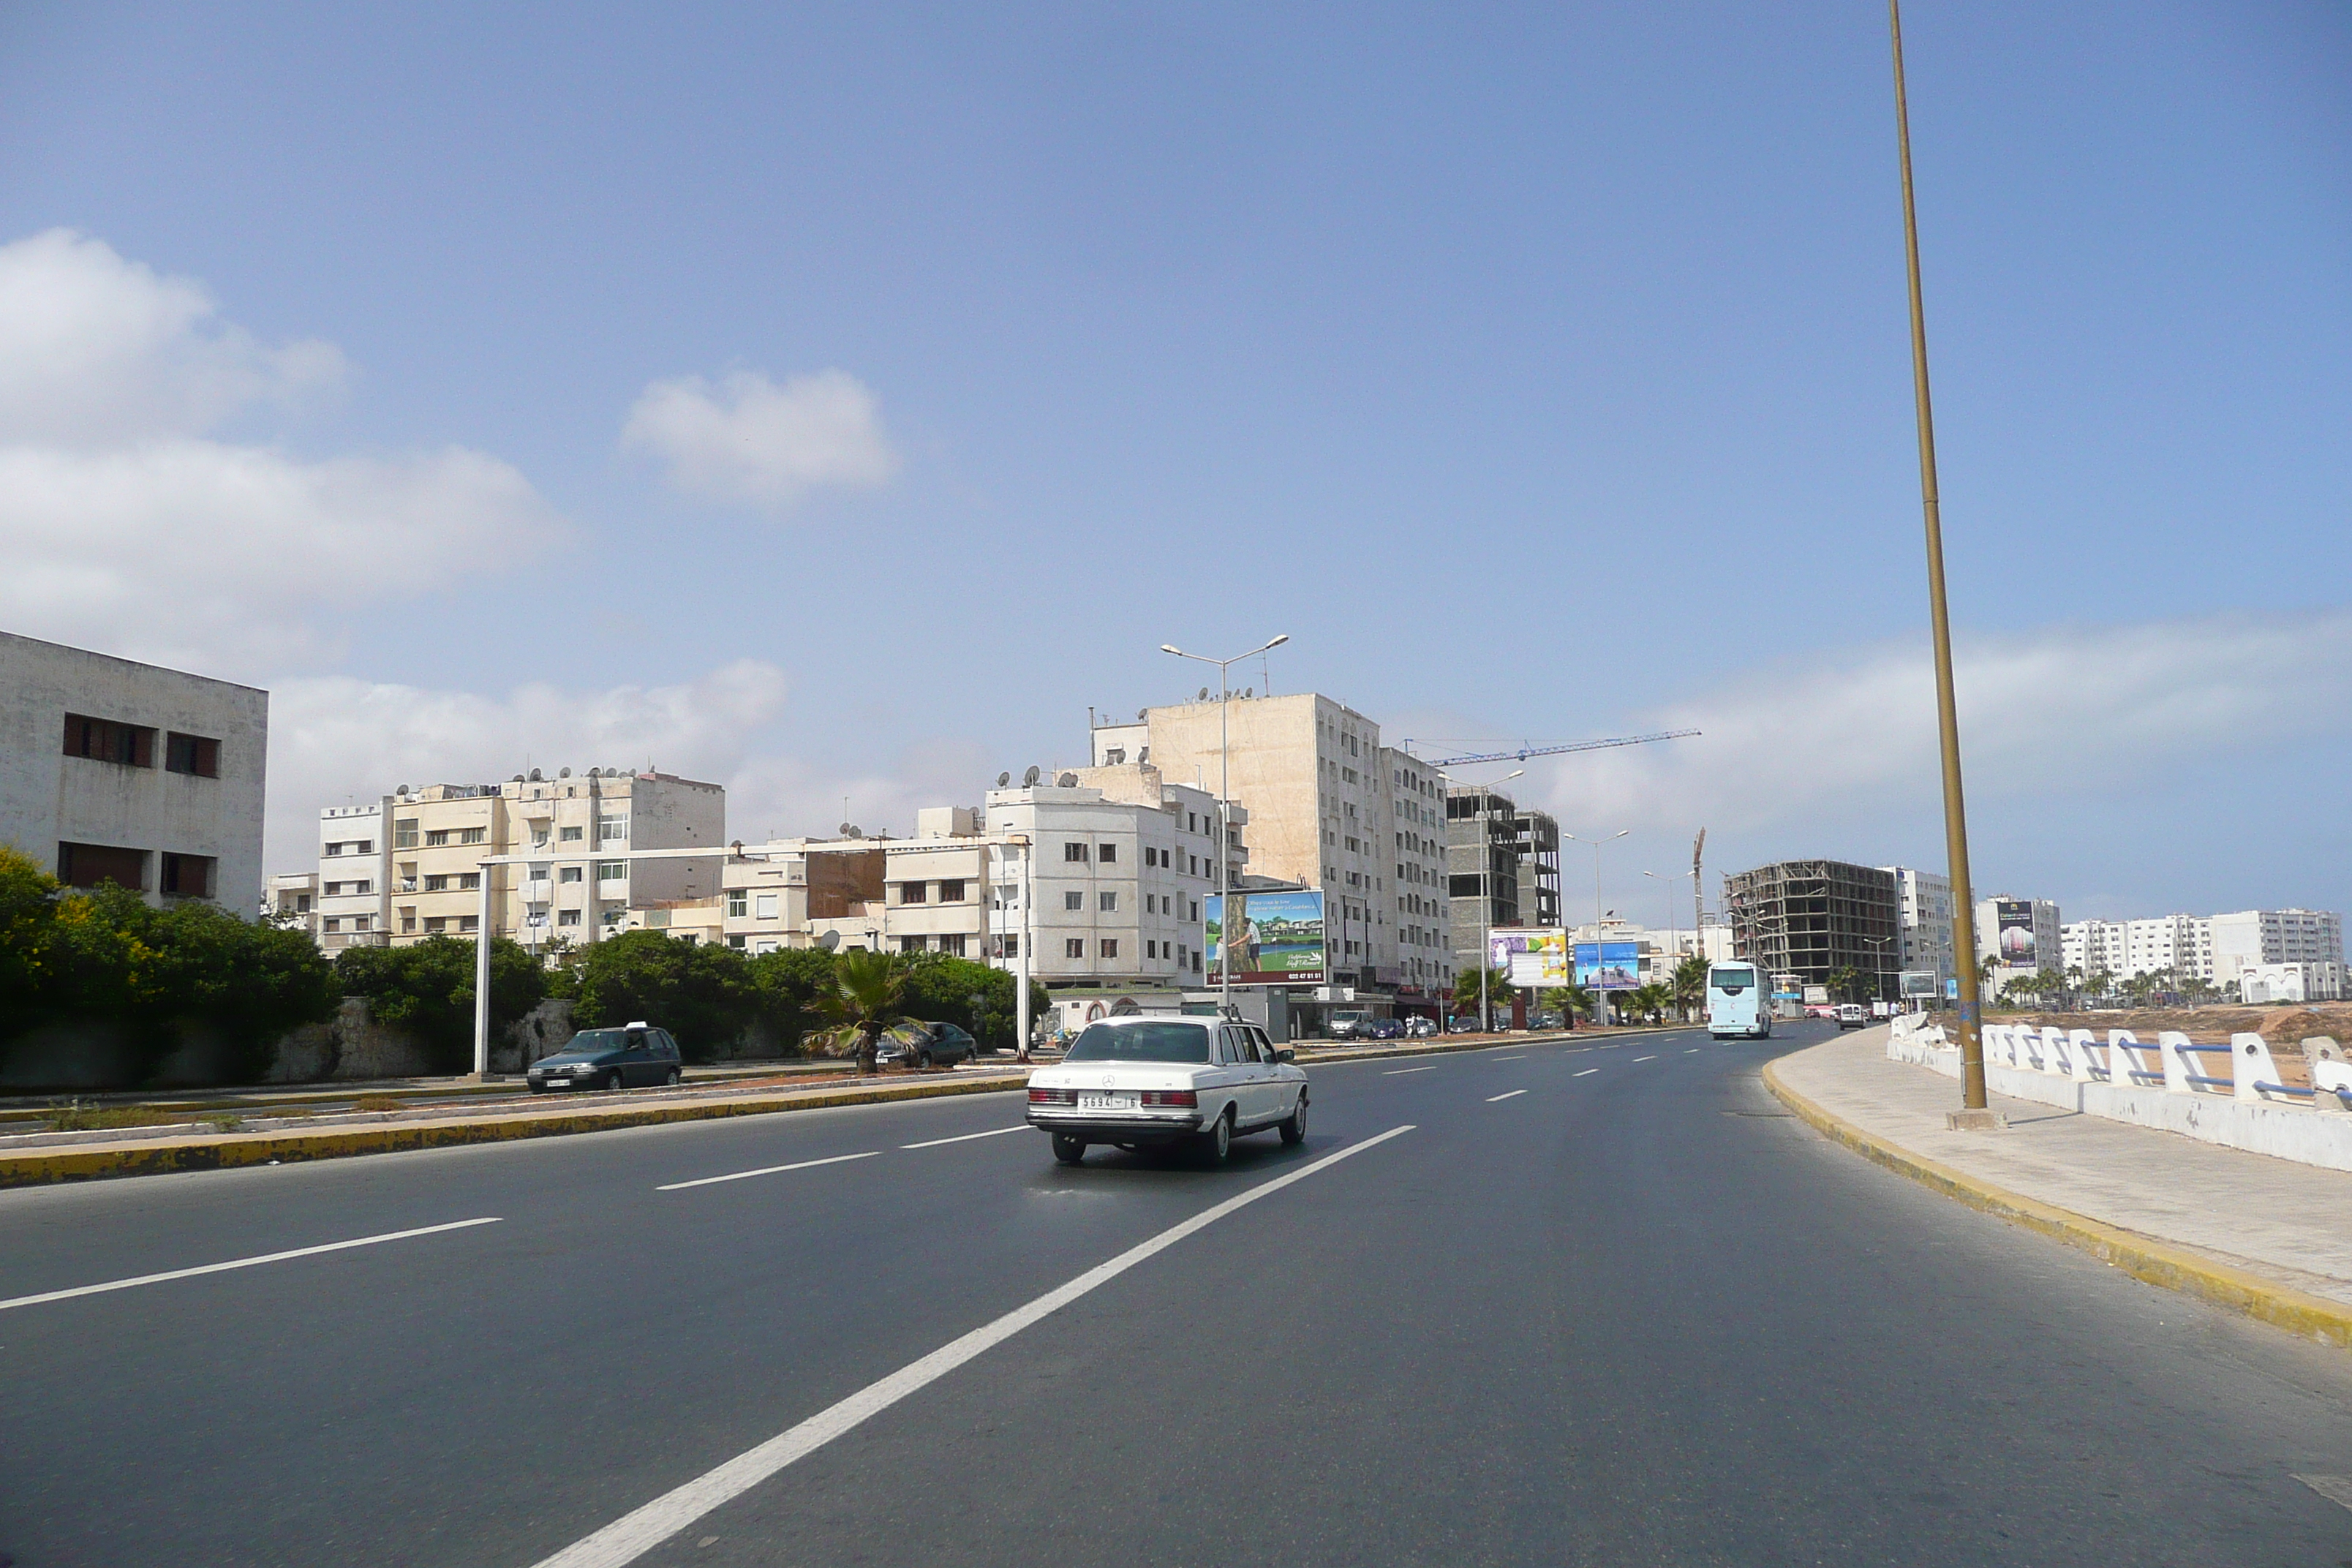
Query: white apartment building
point(1924, 903)
point(2272, 982)
point(112, 771)
point(293, 897)
point(2247, 939)
point(2022, 937)
point(408, 865)
point(1330, 808)
point(2216, 949)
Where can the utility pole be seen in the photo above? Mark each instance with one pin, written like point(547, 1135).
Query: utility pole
point(1948, 721)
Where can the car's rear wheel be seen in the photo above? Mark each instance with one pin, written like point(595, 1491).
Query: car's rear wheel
point(614, 1080)
point(924, 1061)
point(1069, 1151)
point(670, 1081)
point(1294, 1130)
point(1218, 1141)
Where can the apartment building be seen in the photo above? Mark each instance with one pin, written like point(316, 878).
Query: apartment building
point(1331, 808)
point(2246, 939)
point(354, 881)
point(1923, 907)
point(291, 898)
point(1482, 862)
point(113, 771)
point(2021, 936)
point(2216, 949)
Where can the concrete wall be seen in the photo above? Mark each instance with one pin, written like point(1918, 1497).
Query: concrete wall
point(47, 798)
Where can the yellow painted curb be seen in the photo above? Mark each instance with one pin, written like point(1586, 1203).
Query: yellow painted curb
point(42, 1167)
point(2172, 1267)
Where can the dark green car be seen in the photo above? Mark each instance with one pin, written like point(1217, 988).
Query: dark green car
point(919, 1044)
point(636, 1055)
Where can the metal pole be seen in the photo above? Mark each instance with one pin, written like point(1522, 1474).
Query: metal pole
point(1486, 913)
point(1600, 970)
point(1225, 807)
point(482, 983)
point(1020, 1006)
point(1947, 722)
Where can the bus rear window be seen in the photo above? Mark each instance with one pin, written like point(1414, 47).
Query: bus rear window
point(1734, 981)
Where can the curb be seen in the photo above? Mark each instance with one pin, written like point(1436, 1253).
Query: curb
point(2152, 1262)
point(233, 1150)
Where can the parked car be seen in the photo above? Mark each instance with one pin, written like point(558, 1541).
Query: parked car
point(1387, 1029)
point(636, 1055)
point(1419, 1029)
point(1461, 1024)
point(1349, 1026)
point(1852, 1015)
point(924, 1045)
point(1145, 1082)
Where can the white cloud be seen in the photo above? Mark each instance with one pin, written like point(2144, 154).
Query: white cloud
point(749, 441)
point(336, 737)
point(2075, 710)
point(128, 528)
point(95, 349)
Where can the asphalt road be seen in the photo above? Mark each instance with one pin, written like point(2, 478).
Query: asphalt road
point(1631, 1313)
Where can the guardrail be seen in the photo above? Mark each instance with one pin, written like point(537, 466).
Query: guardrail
point(2122, 1060)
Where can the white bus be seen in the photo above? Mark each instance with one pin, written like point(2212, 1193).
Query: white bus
point(1738, 1006)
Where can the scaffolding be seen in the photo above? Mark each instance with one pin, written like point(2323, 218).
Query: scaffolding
point(1815, 917)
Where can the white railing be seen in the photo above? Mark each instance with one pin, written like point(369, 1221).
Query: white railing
point(2249, 1072)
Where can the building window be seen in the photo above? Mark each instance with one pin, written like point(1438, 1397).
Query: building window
point(436, 839)
point(364, 846)
point(952, 942)
point(104, 740)
point(1196, 960)
point(1107, 853)
point(1074, 947)
point(1196, 910)
point(368, 887)
point(951, 892)
point(612, 830)
point(471, 881)
point(1074, 901)
point(435, 924)
point(195, 754)
point(331, 849)
point(1013, 946)
point(910, 944)
point(1150, 949)
point(438, 884)
point(473, 834)
point(1110, 947)
point(403, 833)
point(567, 917)
point(360, 922)
point(569, 873)
point(912, 893)
point(1074, 852)
point(333, 925)
point(766, 906)
point(407, 922)
point(736, 943)
point(739, 906)
point(571, 835)
point(1108, 903)
point(469, 922)
point(611, 871)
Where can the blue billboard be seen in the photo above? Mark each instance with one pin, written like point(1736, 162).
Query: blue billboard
point(1609, 965)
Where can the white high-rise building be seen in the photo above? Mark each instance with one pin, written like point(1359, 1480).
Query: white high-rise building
point(1924, 900)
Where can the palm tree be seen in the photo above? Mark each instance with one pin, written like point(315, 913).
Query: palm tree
point(1843, 979)
point(1688, 985)
point(869, 996)
point(1650, 1002)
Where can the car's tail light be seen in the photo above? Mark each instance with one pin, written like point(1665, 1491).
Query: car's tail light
point(1183, 1097)
point(1052, 1097)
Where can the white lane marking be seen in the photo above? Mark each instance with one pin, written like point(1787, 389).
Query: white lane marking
point(239, 1263)
point(635, 1534)
point(1393, 1072)
point(1691, 1052)
point(1513, 1095)
point(2335, 1489)
point(764, 1171)
point(968, 1137)
point(1588, 1072)
point(1510, 1059)
point(1645, 1058)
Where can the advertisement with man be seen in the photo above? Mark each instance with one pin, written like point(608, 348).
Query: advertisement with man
point(1534, 958)
point(1609, 965)
point(1278, 938)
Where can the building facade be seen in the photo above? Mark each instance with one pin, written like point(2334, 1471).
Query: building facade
point(112, 771)
point(1924, 906)
point(2020, 937)
point(1814, 918)
point(1482, 866)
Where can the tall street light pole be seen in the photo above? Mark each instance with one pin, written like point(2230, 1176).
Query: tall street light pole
point(1600, 976)
point(1947, 722)
point(1225, 807)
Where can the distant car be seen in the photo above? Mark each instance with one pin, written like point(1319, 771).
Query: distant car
point(1420, 1029)
point(1143, 1082)
point(924, 1045)
point(1544, 1021)
point(636, 1055)
point(1387, 1029)
point(1852, 1015)
point(1350, 1027)
point(1461, 1024)
point(1819, 1010)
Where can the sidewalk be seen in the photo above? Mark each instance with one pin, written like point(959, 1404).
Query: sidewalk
point(2256, 1234)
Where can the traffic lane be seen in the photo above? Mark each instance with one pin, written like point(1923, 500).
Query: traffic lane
point(55, 1237)
point(1667, 1322)
point(486, 1400)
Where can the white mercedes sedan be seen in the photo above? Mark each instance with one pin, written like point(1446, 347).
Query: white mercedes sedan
point(1151, 1081)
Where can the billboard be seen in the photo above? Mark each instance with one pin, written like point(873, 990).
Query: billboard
point(2013, 929)
point(1278, 938)
point(1919, 982)
point(1609, 965)
point(1534, 957)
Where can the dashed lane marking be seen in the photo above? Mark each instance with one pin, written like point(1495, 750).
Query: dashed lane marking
point(1394, 1072)
point(966, 1138)
point(1513, 1095)
point(1588, 1072)
point(764, 1171)
point(239, 1263)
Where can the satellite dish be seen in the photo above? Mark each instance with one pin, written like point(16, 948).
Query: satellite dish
point(518, 778)
point(1140, 713)
point(1067, 781)
point(1204, 694)
point(1143, 755)
point(1004, 779)
point(401, 789)
point(737, 847)
point(845, 830)
point(594, 772)
point(538, 777)
point(851, 829)
point(1029, 779)
point(829, 940)
point(564, 772)
point(1249, 691)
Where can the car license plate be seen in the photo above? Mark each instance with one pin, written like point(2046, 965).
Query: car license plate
point(559, 1083)
point(1106, 1102)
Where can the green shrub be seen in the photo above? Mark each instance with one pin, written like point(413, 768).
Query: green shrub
point(426, 990)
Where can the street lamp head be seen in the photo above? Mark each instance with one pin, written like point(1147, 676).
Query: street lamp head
point(1277, 642)
point(1507, 777)
point(1171, 647)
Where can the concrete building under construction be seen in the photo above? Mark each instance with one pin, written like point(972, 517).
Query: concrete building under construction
point(1813, 918)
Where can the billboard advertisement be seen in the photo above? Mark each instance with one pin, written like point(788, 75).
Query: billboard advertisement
point(1534, 957)
point(1609, 965)
point(1278, 938)
point(2013, 926)
point(1919, 982)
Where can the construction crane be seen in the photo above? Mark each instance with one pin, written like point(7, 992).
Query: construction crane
point(1533, 749)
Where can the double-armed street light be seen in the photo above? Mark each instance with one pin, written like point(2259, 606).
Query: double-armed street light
point(1225, 901)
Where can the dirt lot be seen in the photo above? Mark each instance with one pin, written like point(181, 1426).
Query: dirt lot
point(2283, 1028)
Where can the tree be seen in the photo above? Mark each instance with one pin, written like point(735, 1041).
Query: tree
point(1843, 982)
point(1649, 1002)
point(944, 989)
point(1688, 985)
point(869, 996)
point(705, 996)
point(1498, 992)
point(425, 990)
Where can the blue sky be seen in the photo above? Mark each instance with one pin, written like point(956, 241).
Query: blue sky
point(836, 401)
